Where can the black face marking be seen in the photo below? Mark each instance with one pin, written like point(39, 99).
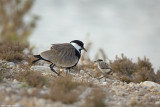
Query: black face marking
point(80, 43)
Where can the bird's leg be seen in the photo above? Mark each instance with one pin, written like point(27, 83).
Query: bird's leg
point(101, 77)
point(67, 70)
point(106, 76)
point(51, 66)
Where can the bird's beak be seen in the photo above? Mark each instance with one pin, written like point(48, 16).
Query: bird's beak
point(84, 49)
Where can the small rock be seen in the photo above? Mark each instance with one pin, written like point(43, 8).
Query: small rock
point(42, 92)
point(104, 83)
point(150, 84)
point(15, 81)
point(157, 102)
point(41, 102)
point(85, 93)
point(11, 64)
point(40, 68)
point(25, 63)
point(7, 98)
point(8, 89)
point(81, 72)
point(26, 51)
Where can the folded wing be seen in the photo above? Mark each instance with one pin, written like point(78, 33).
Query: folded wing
point(62, 55)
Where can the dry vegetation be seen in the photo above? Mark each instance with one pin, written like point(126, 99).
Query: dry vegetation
point(31, 78)
point(129, 71)
point(15, 30)
point(13, 51)
point(95, 99)
point(65, 90)
point(1, 76)
point(14, 34)
point(125, 69)
point(12, 18)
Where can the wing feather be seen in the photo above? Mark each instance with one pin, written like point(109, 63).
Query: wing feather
point(62, 55)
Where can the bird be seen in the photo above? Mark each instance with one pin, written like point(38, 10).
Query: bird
point(64, 55)
point(104, 68)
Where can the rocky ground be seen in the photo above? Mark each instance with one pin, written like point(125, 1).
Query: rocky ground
point(14, 93)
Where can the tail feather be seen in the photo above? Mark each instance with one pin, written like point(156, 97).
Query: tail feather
point(39, 58)
point(36, 56)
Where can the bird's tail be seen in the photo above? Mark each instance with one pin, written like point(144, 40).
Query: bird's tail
point(36, 56)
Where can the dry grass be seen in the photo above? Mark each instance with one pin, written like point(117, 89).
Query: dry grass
point(1, 77)
point(158, 76)
point(13, 51)
point(129, 71)
point(32, 78)
point(123, 65)
point(95, 99)
point(65, 90)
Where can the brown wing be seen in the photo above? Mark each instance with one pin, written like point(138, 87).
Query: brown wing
point(62, 55)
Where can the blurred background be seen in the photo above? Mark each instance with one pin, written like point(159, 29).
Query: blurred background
point(131, 27)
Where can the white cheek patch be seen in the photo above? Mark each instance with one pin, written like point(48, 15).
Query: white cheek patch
point(76, 46)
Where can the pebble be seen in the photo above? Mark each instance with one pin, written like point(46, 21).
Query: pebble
point(40, 68)
point(26, 51)
point(11, 64)
point(116, 92)
point(157, 102)
point(104, 83)
point(15, 81)
point(150, 84)
point(7, 98)
point(85, 93)
point(81, 71)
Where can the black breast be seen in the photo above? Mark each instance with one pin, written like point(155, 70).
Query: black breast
point(78, 54)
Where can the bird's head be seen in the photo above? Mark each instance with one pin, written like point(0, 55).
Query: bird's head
point(99, 60)
point(79, 45)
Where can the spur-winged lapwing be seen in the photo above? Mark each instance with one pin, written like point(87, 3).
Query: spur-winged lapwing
point(65, 55)
point(104, 68)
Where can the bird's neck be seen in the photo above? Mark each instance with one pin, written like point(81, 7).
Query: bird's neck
point(77, 47)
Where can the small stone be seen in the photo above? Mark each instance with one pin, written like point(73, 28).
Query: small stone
point(7, 98)
point(42, 92)
point(8, 89)
point(85, 93)
point(40, 68)
point(11, 64)
point(26, 51)
point(104, 83)
point(30, 91)
point(81, 72)
point(15, 81)
point(25, 63)
point(157, 102)
point(150, 84)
